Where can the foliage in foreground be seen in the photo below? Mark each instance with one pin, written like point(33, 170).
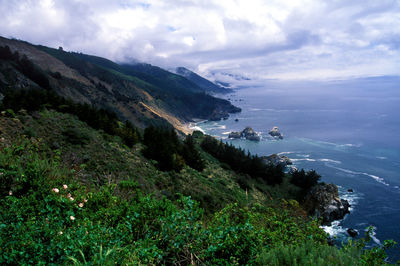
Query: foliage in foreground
point(46, 217)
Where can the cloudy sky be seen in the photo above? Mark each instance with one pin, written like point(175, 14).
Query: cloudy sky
point(260, 39)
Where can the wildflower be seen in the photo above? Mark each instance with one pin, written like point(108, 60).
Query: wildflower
point(69, 195)
point(71, 198)
point(1, 173)
point(60, 233)
point(80, 204)
point(56, 190)
point(72, 218)
point(10, 193)
point(65, 186)
point(85, 200)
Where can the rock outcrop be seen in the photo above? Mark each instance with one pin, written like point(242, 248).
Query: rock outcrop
point(247, 133)
point(352, 232)
point(276, 159)
point(235, 135)
point(250, 134)
point(218, 115)
point(323, 202)
point(274, 132)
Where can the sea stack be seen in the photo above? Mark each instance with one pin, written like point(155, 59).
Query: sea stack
point(247, 133)
point(274, 132)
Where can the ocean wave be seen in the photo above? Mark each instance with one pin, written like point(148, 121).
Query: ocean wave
point(214, 127)
point(381, 157)
point(197, 128)
point(373, 235)
point(376, 178)
point(326, 143)
point(329, 161)
point(305, 159)
point(351, 197)
point(286, 152)
point(226, 133)
point(334, 229)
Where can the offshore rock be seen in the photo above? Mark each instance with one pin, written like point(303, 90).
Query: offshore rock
point(274, 132)
point(247, 133)
point(323, 202)
point(276, 160)
point(352, 232)
point(250, 134)
point(235, 135)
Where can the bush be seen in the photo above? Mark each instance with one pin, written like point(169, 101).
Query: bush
point(76, 136)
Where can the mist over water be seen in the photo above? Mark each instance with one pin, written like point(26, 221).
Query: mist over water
point(346, 130)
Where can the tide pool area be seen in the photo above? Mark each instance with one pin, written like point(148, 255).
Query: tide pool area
point(346, 131)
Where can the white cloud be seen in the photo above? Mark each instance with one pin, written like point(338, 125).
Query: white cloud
point(258, 38)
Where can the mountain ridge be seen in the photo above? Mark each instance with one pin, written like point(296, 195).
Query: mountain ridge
point(143, 94)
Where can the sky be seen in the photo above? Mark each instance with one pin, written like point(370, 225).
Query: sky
point(221, 39)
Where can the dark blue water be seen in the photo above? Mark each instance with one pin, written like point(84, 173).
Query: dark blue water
point(346, 130)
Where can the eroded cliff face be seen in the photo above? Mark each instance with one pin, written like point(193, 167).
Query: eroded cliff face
point(322, 201)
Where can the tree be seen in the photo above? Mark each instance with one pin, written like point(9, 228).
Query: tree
point(305, 180)
point(191, 154)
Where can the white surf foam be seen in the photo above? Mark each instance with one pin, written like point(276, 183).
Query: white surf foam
point(305, 159)
point(286, 152)
point(334, 229)
point(329, 161)
point(373, 236)
point(376, 178)
point(197, 128)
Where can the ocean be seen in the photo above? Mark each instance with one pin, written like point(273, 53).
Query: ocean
point(348, 131)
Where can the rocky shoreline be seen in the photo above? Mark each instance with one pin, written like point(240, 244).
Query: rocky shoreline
point(321, 201)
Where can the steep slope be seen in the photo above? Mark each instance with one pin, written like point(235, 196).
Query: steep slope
point(200, 81)
point(70, 194)
point(140, 98)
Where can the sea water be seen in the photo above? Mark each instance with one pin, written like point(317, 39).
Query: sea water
point(348, 131)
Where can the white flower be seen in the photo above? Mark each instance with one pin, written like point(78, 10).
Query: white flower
point(10, 192)
point(72, 218)
point(85, 200)
point(60, 233)
point(71, 199)
point(65, 186)
point(56, 190)
point(80, 204)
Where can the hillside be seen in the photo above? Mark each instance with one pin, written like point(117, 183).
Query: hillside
point(73, 194)
point(142, 94)
point(91, 172)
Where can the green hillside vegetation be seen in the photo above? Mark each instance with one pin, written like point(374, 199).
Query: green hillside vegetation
point(75, 194)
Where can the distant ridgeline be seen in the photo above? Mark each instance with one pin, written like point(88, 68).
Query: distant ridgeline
point(143, 94)
point(92, 171)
